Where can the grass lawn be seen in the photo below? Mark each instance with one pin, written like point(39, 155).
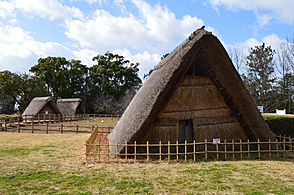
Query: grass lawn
point(40, 163)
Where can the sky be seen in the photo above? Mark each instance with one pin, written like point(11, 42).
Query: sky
point(140, 30)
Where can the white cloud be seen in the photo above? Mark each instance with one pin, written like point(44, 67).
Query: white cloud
point(281, 10)
point(21, 50)
point(146, 59)
point(51, 9)
point(155, 29)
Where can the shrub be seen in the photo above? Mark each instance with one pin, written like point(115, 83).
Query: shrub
point(280, 124)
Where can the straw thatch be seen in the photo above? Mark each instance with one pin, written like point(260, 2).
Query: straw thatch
point(69, 106)
point(41, 105)
point(214, 96)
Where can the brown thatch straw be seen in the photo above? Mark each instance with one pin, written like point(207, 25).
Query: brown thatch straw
point(169, 94)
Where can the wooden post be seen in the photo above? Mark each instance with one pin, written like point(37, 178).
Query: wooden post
point(284, 147)
point(38, 118)
point(92, 128)
point(177, 150)
point(291, 145)
point(225, 142)
point(18, 124)
point(33, 125)
point(269, 150)
point(147, 145)
point(54, 118)
point(77, 129)
point(98, 151)
point(206, 155)
point(258, 149)
point(233, 149)
point(168, 151)
point(135, 150)
point(277, 149)
point(248, 149)
point(49, 119)
point(126, 151)
point(61, 128)
point(185, 150)
point(5, 125)
point(217, 154)
point(47, 128)
point(116, 152)
point(194, 150)
point(241, 150)
point(159, 150)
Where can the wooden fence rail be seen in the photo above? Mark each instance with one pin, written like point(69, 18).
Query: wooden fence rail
point(12, 121)
point(57, 128)
point(195, 151)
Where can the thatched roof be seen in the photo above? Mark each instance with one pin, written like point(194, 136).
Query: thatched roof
point(68, 106)
point(200, 48)
point(38, 103)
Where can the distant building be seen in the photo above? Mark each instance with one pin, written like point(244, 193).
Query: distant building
point(69, 106)
point(41, 106)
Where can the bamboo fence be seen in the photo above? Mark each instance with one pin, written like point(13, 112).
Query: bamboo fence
point(281, 148)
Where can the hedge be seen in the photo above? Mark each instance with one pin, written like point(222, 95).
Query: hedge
point(280, 124)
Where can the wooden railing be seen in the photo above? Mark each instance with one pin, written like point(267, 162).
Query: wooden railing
point(281, 148)
point(13, 121)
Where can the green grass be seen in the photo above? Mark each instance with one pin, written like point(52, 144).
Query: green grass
point(46, 164)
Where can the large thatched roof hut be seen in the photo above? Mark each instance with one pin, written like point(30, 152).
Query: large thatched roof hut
point(41, 106)
point(195, 93)
point(69, 106)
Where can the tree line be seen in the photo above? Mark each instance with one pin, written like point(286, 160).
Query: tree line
point(268, 75)
point(105, 87)
point(111, 82)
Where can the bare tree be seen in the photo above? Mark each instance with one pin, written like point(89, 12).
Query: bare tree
point(238, 57)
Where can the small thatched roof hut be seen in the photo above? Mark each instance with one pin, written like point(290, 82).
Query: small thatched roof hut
point(41, 106)
point(69, 106)
point(195, 93)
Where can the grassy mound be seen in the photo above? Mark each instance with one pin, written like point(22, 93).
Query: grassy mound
point(280, 124)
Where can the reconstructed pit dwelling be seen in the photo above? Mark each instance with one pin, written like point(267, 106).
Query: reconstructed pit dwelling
point(195, 93)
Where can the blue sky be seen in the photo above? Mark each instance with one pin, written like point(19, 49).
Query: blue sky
point(140, 30)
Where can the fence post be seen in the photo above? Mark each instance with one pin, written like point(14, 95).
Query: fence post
point(38, 117)
point(277, 149)
point(168, 151)
point(291, 145)
point(241, 150)
point(258, 148)
point(159, 150)
point(194, 150)
point(135, 151)
point(185, 150)
point(177, 150)
point(92, 128)
point(225, 149)
point(61, 128)
point(5, 125)
point(233, 149)
point(248, 149)
point(18, 124)
point(77, 129)
point(116, 152)
point(126, 150)
point(269, 150)
point(54, 118)
point(284, 147)
point(147, 145)
point(47, 128)
point(32, 125)
point(206, 156)
point(217, 154)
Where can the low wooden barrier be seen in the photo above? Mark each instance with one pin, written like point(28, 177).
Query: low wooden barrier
point(281, 148)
